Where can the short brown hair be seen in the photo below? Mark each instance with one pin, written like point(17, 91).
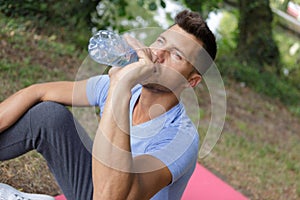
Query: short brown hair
point(193, 23)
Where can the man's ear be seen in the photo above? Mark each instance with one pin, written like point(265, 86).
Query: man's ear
point(194, 79)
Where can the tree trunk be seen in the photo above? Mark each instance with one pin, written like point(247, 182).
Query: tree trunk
point(255, 43)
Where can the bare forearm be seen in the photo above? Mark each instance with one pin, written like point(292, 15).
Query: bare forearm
point(116, 174)
point(113, 163)
point(16, 105)
point(112, 158)
point(64, 92)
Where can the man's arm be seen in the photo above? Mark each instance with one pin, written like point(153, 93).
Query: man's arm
point(116, 174)
point(16, 105)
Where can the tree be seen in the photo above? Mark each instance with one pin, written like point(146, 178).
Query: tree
point(121, 15)
point(255, 42)
point(203, 6)
point(256, 45)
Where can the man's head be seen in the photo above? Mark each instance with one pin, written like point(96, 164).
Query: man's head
point(193, 23)
point(182, 52)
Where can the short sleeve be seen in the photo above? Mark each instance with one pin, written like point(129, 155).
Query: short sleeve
point(96, 90)
point(179, 154)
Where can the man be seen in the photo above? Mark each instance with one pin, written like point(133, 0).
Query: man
point(145, 146)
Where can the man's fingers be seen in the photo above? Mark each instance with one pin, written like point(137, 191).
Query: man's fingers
point(134, 43)
point(142, 50)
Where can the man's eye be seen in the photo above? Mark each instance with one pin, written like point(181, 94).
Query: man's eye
point(176, 55)
point(160, 41)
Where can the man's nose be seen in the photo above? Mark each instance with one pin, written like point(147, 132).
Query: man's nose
point(159, 55)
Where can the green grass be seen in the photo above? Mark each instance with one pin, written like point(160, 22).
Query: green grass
point(22, 76)
point(258, 167)
point(28, 58)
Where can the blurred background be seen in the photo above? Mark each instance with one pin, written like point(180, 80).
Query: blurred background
point(258, 58)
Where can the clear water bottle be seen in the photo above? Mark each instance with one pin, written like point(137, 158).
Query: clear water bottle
point(107, 47)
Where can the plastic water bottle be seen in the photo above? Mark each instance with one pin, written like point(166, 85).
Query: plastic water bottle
point(107, 47)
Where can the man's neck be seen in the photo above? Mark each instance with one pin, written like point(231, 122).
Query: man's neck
point(152, 104)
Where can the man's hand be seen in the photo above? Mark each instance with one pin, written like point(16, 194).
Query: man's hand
point(137, 72)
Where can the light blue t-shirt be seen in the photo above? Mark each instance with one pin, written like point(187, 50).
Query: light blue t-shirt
point(172, 138)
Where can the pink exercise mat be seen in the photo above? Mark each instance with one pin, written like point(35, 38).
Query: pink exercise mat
point(204, 185)
point(60, 197)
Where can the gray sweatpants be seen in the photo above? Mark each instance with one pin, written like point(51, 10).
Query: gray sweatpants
point(51, 129)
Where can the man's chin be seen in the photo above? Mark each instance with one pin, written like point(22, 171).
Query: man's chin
point(157, 88)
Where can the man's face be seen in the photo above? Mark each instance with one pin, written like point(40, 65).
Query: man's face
point(174, 51)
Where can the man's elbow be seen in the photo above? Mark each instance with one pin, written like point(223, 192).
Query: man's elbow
point(3, 127)
point(3, 123)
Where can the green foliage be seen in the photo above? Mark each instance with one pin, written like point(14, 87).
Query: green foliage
point(62, 13)
point(203, 6)
point(67, 18)
point(163, 4)
point(74, 20)
point(125, 14)
point(152, 6)
point(227, 32)
point(290, 54)
point(15, 8)
point(140, 2)
point(28, 58)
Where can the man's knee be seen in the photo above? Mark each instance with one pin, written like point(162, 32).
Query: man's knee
point(50, 114)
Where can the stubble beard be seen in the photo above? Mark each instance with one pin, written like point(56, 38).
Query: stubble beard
point(157, 88)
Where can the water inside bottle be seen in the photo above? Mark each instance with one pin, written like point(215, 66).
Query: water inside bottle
point(109, 48)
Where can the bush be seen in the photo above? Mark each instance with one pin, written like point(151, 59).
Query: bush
point(263, 82)
point(70, 18)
